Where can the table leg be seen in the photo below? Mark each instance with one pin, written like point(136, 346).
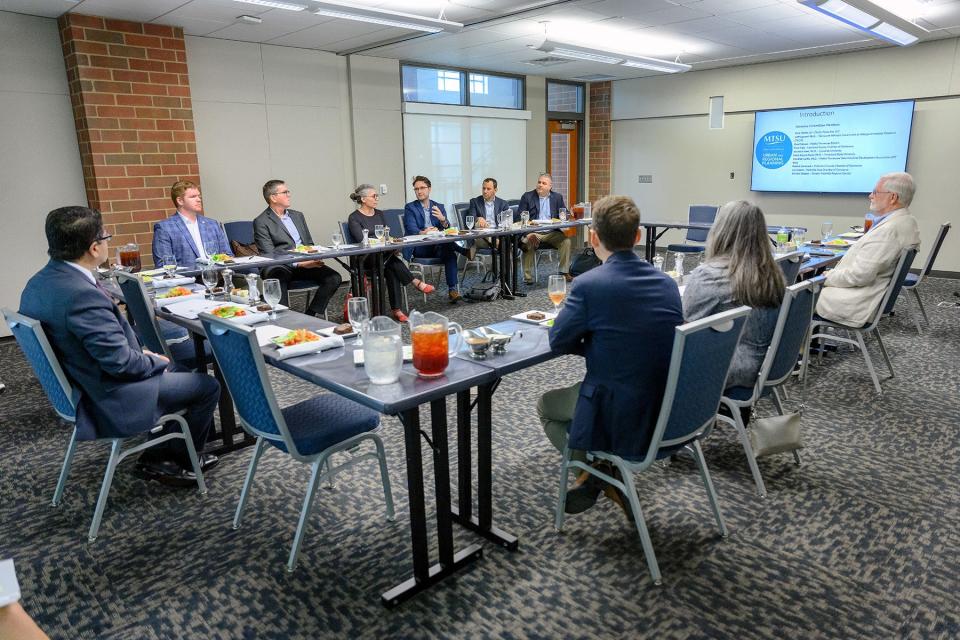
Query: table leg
point(425, 575)
point(377, 305)
point(650, 247)
point(504, 250)
point(483, 522)
point(464, 456)
point(228, 419)
point(515, 265)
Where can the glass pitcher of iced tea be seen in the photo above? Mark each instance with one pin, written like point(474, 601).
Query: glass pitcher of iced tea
point(128, 257)
point(430, 334)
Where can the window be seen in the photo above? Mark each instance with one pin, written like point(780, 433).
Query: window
point(423, 84)
point(563, 97)
point(461, 87)
point(496, 91)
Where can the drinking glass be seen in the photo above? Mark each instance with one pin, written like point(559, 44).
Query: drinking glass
point(128, 258)
point(210, 249)
point(169, 265)
point(359, 313)
point(469, 220)
point(210, 277)
point(501, 219)
point(272, 294)
point(557, 290)
point(562, 214)
point(524, 218)
point(799, 237)
point(378, 231)
point(826, 228)
point(336, 239)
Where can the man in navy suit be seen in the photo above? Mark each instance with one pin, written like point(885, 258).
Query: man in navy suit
point(485, 208)
point(124, 388)
point(188, 234)
point(543, 204)
point(422, 216)
point(621, 317)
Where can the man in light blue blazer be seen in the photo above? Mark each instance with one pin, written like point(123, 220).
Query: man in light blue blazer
point(422, 216)
point(123, 388)
point(621, 317)
point(188, 234)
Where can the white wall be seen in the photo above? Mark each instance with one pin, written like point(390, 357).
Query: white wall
point(660, 128)
point(39, 157)
point(263, 112)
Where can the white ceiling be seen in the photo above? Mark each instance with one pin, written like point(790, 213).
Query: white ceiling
point(498, 35)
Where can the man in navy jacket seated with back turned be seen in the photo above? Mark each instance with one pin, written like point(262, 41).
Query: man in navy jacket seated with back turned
point(621, 317)
point(123, 388)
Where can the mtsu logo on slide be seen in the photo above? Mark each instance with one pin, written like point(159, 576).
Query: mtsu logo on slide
point(774, 150)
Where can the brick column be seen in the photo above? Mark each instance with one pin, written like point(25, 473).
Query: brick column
point(600, 150)
point(134, 119)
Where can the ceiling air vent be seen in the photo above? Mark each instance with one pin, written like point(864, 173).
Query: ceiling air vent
point(594, 77)
point(549, 61)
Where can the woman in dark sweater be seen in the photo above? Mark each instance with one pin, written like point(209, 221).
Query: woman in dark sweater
point(367, 216)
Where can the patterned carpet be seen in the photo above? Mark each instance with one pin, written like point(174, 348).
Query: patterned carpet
point(859, 542)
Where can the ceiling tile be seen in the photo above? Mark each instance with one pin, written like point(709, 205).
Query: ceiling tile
point(127, 10)
point(760, 15)
point(42, 8)
point(321, 35)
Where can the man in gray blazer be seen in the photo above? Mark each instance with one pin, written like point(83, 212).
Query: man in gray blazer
point(280, 228)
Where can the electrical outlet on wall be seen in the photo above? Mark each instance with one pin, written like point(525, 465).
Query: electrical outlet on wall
point(383, 189)
point(645, 179)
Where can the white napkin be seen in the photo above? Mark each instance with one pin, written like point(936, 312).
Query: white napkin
point(9, 587)
point(249, 259)
point(163, 283)
point(188, 307)
point(268, 332)
point(304, 348)
point(252, 317)
point(168, 303)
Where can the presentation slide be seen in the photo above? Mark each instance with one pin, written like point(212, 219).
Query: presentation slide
point(838, 149)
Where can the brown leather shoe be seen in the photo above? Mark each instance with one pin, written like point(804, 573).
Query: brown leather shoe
point(567, 277)
point(455, 297)
point(583, 494)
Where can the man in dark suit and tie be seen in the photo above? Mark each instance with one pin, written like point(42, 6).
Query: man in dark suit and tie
point(485, 208)
point(543, 204)
point(621, 317)
point(280, 228)
point(124, 388)
point(423, 216)
point(188, 234)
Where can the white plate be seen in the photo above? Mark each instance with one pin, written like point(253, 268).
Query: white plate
point(328, 331)
point(522, 317)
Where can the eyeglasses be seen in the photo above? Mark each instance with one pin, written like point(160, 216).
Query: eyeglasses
point(283, 193)
point(877, 193)
point(103, 238)
point(373, 195)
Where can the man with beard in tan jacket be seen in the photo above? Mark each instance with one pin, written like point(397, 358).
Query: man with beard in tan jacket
point(855, 287)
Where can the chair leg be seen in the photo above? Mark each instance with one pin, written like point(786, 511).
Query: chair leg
point(631, 490)
point(777, 400)
point(923, 311)
point(796, 457)
point(562, 499)
point(708, 483)
point(105, 489)
point(747, 449)
point(65, 471)
point(869, 361)
point(329, 485)
point(385, 479)
point(192, 453)
point(305, 513)
point(248, 482)
point(883, 351)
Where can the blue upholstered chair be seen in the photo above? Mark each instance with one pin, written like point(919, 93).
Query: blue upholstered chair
point(913, 280)
point(702, 351)
point(310, 431)
point(789, 338)
point(699, 214)
point(479, 262)
point(426, 269)
point(790, 265)
point(64, 398)
point(818, 325)
point(147, 325)
point(240, 231)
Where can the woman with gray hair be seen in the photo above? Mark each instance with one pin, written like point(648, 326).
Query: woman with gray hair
point(739, 270)
point(367, 216)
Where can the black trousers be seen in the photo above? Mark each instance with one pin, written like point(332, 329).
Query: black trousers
point(397, 275)
point(198, 393)
point(326, 279)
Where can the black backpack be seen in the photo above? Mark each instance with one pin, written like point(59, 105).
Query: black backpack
point(587, 259)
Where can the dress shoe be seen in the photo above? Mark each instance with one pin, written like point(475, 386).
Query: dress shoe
point(455, 297)
point(399, 315)
point(208, 461)
point(567, 277)
point(425, 288)
point(584, 493)
point(166, 472)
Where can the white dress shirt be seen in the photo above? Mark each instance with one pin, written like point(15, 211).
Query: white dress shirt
point(193, 226)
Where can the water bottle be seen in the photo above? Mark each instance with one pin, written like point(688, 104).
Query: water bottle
point(658, 263)
point(783, 236)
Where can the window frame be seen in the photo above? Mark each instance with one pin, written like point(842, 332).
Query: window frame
point(465, 83)
point(566, 115)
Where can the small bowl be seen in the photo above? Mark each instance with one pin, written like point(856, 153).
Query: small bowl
point(478, 342)
point(498, 341)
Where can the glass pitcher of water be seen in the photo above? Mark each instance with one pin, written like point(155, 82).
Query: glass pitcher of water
point(382, 350)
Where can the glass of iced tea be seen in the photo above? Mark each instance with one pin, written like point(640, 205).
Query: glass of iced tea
point(128, 257)
point(430, 334)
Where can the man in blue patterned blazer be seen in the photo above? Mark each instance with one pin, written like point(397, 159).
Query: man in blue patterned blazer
point(188, 234)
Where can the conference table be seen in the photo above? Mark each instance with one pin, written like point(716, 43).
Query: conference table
point(335, 371)
point(656, 229)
